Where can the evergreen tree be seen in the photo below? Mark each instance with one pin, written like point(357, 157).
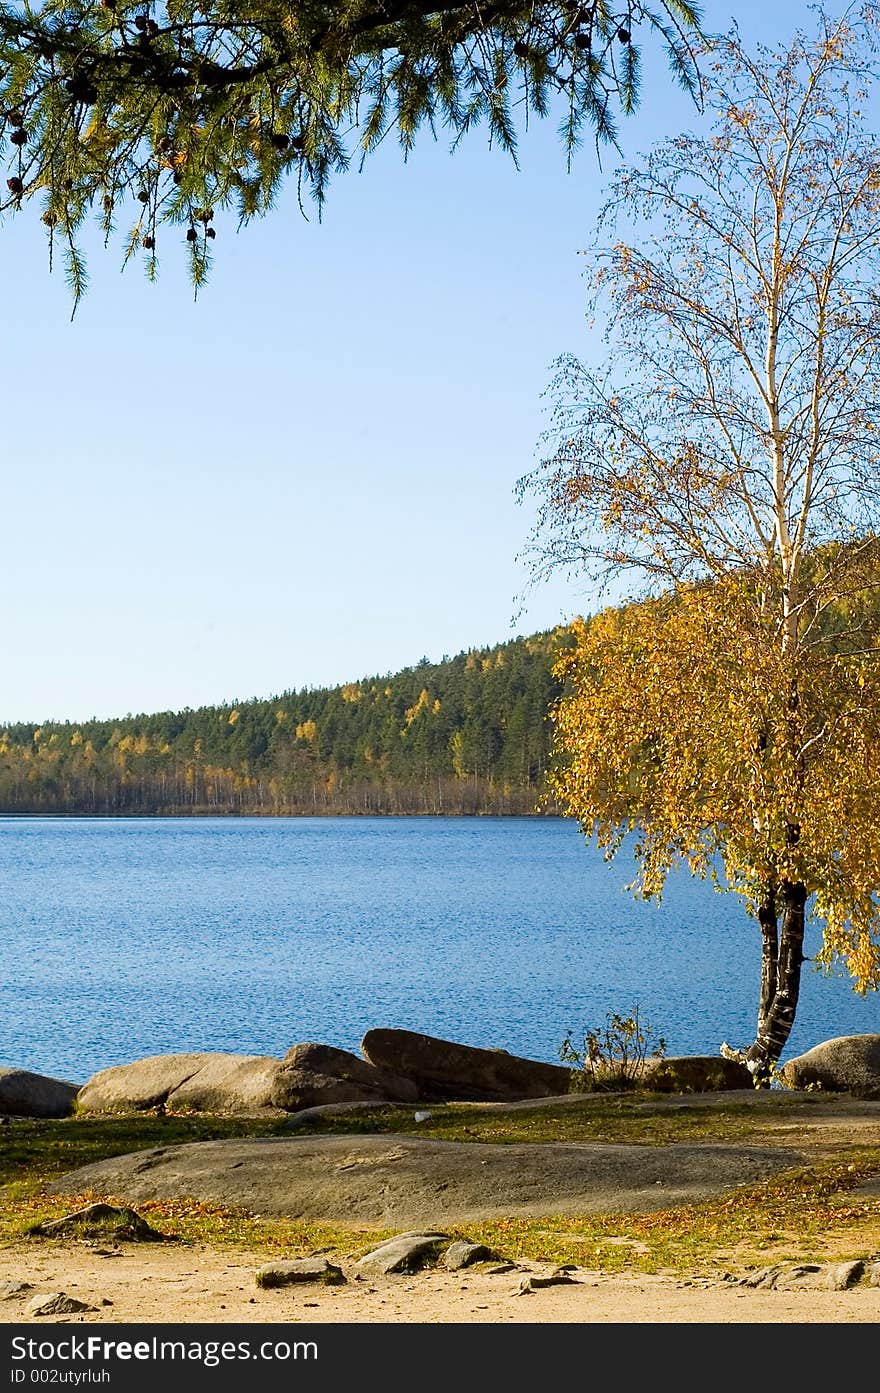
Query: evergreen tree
point(175, 110)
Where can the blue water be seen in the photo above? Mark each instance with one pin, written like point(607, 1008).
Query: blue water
point(123, 938)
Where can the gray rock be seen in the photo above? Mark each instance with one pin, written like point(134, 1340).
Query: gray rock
point(405, 1253)
point(846, 1064)
point(407, 1179)
point(534, 1282)
point(104, 1220)
point(844, 1275)
point(463, 1254)
point(312, 1074)
point(229, 1083)
point(444, 1070)
point(314, 1269)
point(14, 1291)
point(210, 1082)
point(872, 1274)
point(806, 1276)
point(23, 1094)
point(55, 1303)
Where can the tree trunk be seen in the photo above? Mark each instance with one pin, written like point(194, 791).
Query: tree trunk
point(780, 978)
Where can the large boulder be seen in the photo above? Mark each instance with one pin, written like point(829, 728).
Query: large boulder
point(23, 1094)
point(210, 1082)
point(407, 1182)
point(312, 1074)
point(846, 1064)
point(694, 1073)
point(241, 1083)
point(445, 1071)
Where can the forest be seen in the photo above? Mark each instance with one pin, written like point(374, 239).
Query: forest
point(467, 735)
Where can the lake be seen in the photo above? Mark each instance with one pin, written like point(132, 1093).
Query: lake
point(129, 937)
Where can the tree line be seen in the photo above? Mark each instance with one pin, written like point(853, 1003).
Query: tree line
point(466, 735)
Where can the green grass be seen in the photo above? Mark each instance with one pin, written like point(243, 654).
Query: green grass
point(636, 1118)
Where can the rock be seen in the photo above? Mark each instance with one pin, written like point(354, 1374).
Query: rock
point(534, 1282)
point(240, 1083)
point(405, 1253)
point(314, 1269)
point(872, 1274)
point(463, 1254)
point(694, 1074)
point(55, 1303)
point(23, 1094)
point(14, 1291)
point(229, 1083)
point(804, 1274)
point(408, 1180)
point(846, 1064)
point(312, 1074)
point(100, 1220)
point(445, 1071)
point(809, 1276)
point(844, 1275)
point(211, 1082)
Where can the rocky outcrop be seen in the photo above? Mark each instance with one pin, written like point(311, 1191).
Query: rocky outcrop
point(846, 1064)
point(23, 1094)
point(696, 1073)
point(312, 1074)
point(404, 1180)
point(234, 1083)
point(309, 1074)
point(442, 1070)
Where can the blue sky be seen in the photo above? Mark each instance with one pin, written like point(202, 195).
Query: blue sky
point(307, 475)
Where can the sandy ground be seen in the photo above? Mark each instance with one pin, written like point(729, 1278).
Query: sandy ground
point(191, 1283)
point(198, 1284)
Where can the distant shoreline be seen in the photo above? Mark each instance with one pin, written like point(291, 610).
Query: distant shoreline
point(255, 815)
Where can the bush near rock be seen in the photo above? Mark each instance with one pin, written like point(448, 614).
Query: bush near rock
point(695, 1073)
point(23, 1094)
point(444, 1071)
point(845, 1064)
point(312, 1074)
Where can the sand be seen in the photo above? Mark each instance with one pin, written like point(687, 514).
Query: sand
point(194, 1283)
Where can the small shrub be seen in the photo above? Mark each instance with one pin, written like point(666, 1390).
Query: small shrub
point(612, 1056)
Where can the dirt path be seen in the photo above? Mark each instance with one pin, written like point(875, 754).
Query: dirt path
point(195, 1284)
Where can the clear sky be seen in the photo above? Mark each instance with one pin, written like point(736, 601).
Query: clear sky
point(308, 475)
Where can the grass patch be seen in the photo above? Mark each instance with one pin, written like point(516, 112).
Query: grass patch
point(632, 1118)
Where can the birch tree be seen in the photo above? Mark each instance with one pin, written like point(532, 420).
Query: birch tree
point(725, 459)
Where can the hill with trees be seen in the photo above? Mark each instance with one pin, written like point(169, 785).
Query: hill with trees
point(466, 735)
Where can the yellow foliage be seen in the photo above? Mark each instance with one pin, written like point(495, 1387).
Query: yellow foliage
point(234, 717)
point(307, 731)
point(684, 724)
point(351, 692)
point(420, 705)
